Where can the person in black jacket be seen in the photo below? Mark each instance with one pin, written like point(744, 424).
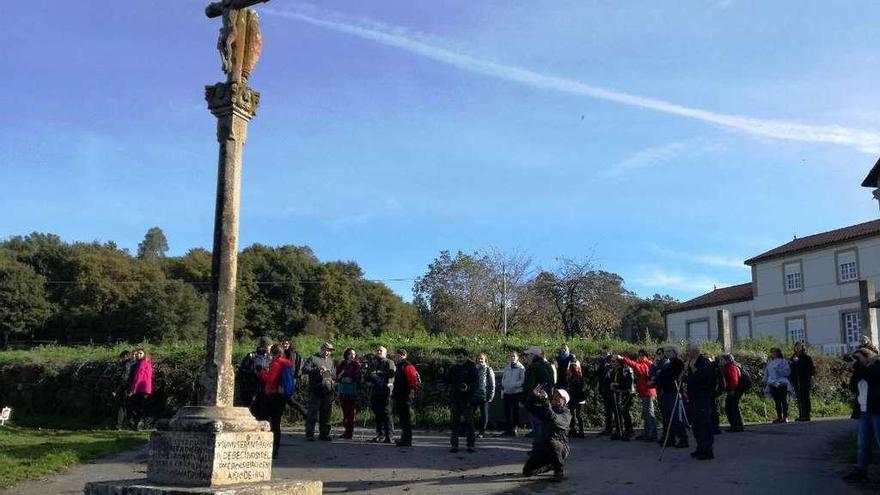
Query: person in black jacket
point(623, 388)
point(552, 449)
point(380, 374)
point(866, 382)
point(563, 360)
point(605, 392)
point(802, 372)
point(461, 380)
point(700, 395)
point(667, 380)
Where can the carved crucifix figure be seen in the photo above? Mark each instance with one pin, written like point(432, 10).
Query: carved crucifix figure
point(240, 40)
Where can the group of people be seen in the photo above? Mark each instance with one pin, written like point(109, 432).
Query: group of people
point(270, 376)
point(688, 390)
point(134, 385)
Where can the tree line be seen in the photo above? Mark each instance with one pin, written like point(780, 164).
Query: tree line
point(95, 292)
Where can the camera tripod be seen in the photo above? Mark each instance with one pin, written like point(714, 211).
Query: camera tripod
point(677, 408)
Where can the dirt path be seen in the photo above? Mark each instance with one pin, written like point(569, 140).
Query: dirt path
point(771, 459)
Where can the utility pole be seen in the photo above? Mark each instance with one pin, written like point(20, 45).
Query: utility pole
point(504, 298)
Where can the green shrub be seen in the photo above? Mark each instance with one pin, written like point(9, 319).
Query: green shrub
point(77, 382)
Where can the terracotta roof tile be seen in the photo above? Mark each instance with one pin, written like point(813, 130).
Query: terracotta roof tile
point(816, 241)
point(724, 295)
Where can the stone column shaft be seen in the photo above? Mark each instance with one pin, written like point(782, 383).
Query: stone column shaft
point(234, 104)
point(724, 334)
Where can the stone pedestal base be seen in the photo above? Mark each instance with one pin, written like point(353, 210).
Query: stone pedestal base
point(210, 446)
point(144, 487)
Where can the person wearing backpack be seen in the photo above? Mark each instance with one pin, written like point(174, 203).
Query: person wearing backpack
point(734, 390)
point(274, 392)
point(406, 382)
point(348, 377)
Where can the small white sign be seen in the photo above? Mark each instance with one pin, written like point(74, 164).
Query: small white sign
point(5, 414)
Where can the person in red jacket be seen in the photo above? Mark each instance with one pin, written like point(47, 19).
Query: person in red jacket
point(647, 393)
point(140, 387)
point(733, 393)
point(348, 378)
point(406, 382)
point(274, 393)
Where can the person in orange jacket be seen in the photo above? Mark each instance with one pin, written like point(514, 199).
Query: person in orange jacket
point(274, 393)
point(646, 392)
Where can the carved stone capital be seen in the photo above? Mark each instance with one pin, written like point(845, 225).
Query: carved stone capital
point(228, 98)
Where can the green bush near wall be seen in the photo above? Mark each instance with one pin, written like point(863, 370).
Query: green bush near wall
point(65, 386)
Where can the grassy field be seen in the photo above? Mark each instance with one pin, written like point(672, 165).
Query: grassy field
point(32, 453)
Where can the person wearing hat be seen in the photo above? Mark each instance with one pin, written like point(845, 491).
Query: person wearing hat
point(251, 393)
point(552, 449)
point(320, 370)
point(539, 373)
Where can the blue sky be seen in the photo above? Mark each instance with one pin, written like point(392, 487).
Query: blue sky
point(671, 141)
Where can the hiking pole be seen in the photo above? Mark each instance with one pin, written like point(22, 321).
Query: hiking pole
point(668, 429)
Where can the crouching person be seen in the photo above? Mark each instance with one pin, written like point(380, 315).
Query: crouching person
point(552, 448)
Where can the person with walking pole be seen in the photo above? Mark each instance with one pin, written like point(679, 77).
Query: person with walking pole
point(668, 382)
point(679, 415)
point(802, 379)
point(623, 388)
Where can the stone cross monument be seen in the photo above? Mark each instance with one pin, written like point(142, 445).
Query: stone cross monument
point(213, 447)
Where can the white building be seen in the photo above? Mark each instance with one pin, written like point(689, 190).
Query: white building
point(820, 288)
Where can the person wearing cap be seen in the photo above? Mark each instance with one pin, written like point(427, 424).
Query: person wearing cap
point(552, 449)
point(251, 392)
point(321, 372)
point(538, 373)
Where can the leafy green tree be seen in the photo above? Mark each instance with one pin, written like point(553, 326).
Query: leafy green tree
point(23, 303)
point(154, 246)
point(165, 310)
point(193, 268)
point(644, 319)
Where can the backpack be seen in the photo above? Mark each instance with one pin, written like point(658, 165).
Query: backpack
point(288, 382)
point(745, 380)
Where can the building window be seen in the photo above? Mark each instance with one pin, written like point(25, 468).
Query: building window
point(793, 278)
point(698, 330)
point(795, 329)
point(742, 327)
point(851, 327)
point(847, 266)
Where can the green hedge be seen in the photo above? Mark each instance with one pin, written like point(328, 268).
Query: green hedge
point(64, 386)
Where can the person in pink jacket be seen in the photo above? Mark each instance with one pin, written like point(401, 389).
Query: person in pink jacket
point(646, 392)
point(140, 387)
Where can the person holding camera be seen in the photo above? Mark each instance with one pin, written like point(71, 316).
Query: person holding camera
point(668, 382)
point(320, 370)
point(646, 391)
point(380, 373)
point(462, 382)
point(552, 449)
point(251, 394)
point(623, 388)
point(865, 383)
point(538, 372)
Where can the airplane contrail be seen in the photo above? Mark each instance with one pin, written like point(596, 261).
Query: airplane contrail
point(865, 141)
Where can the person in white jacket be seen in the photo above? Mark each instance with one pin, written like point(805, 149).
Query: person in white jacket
point(512, 392)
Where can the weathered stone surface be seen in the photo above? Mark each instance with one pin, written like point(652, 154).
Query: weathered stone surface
point(191, 458)
point(143, 487)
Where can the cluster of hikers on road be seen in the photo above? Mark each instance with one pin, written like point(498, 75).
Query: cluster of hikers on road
point(553, 391)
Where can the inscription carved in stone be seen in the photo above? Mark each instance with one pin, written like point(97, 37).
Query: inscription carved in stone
point(210, 459)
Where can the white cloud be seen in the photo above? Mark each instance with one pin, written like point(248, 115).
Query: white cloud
point(645, 158)
point(702, 259)
point(659, 279)
point(866, 141)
